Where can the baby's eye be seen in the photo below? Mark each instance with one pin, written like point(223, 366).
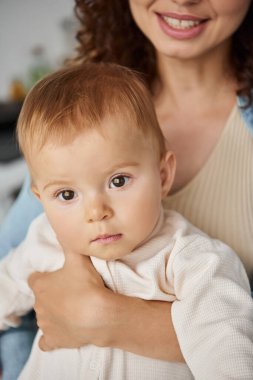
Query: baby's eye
point(66, 195)
point(119, 181)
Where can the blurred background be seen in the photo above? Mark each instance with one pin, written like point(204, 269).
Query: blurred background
point(35, 38)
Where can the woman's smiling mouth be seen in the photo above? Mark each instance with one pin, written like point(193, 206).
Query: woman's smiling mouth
point(181, 27)
point(180, 24)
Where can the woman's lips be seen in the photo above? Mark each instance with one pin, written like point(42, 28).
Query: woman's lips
point(181, 27)
point(106, 239)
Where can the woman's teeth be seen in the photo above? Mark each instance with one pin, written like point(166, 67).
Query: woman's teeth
point(180, 24)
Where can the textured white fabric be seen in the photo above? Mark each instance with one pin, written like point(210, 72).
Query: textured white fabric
point(212, 309)
point(219, 199)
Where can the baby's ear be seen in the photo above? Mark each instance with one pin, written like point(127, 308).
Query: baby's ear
point(167, 172)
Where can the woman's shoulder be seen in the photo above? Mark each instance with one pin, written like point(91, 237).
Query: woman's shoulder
point(247, 113)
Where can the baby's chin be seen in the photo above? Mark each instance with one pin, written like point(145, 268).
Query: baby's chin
point(110, 253)
point(109, 256)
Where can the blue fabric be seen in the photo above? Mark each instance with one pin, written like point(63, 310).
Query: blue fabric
point(14, 227)
point(15, 344)
point(15, 347)
point(247, 114)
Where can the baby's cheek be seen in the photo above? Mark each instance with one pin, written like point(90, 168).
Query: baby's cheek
point(63, 233)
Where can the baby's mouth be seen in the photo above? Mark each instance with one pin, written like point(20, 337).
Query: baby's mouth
point(106, 239)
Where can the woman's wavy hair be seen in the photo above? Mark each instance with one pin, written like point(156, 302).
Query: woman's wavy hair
point(108, 33)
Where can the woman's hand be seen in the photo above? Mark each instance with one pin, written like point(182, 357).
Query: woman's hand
point(74, 308)
point(68, 303)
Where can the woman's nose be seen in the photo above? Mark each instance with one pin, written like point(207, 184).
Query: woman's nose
point(97, 210)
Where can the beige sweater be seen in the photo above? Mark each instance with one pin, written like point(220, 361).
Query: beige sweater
point(212, 310)
point(219, 199)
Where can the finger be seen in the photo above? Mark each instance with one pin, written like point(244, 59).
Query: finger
point(33, 278)
point(81, 267)
point(75, 258)
point(78, 264)
point(43, 345)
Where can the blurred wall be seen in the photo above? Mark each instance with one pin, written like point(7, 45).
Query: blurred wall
point(25, 24)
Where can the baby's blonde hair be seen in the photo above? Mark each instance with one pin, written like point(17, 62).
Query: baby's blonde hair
point(76, 98)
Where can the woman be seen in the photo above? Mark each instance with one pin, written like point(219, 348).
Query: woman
point(197, 58)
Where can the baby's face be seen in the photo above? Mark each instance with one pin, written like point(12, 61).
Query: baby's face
point(102, 193)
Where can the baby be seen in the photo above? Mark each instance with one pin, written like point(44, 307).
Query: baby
point(99, 165)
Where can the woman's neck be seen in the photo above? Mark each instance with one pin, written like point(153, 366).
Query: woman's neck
point(206, 77)
point(193, 100)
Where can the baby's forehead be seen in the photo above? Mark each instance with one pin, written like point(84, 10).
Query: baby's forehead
point(93, 153)
point(114, 128)
point(116, 132)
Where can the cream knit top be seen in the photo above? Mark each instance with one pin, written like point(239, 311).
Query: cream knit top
point(219, 199)
point(212, 306)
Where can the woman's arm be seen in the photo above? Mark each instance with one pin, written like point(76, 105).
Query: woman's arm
point(73, 312)
point(14, 228)
point(143, 327)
